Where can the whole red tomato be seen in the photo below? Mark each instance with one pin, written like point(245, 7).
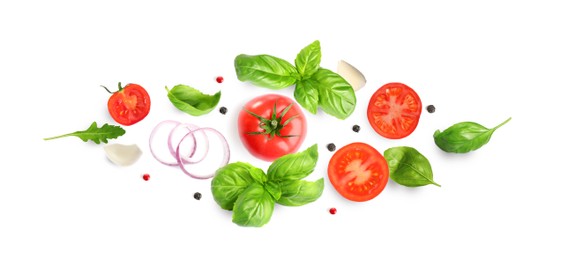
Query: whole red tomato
point(271, 126)
point(129, 105)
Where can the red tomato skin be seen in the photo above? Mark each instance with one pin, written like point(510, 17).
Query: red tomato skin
point(406, 119)
point(261, 145)
point(369, 158)
point(129, 105)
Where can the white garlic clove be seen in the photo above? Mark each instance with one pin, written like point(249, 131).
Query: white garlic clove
point(122, 155)
point(351, 75)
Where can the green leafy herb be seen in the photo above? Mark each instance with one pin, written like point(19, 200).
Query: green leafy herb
point(230, 181)
point(464, 137)
point(265, 71)
point(300, 192)
point(408, 167)
point(251, 193)
point(315, 86)
point(336, 95)
point(254, 207)
point(307, 61)
point(95, 134)
point(192, 101)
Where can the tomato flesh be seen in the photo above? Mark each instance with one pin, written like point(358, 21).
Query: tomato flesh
point(290, 135)
point(394, 110)
point(129, 105)
point(358, 172)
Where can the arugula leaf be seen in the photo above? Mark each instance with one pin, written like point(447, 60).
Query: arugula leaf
point(230, 181)
point(254, 207)
point(307, 61)
point(265, 71)
point(192, 101)
point(300, 192)
point(294, 166)
point(409, 167)
point(307, 95)
point(95, 134)
point(464, 137)
point(336, 95)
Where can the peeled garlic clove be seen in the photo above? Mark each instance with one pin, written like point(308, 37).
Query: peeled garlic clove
point(122, 155)
point(351, 75)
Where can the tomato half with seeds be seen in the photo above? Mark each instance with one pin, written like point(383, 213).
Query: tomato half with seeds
point(271, 126)
point(129, 105)
point(394, 110)
point(358, 172)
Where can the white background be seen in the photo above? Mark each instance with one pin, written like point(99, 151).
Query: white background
point(481, 61)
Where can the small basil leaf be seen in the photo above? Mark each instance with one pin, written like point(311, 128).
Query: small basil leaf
point(258, 175)
point(192, 101)
point(307, 61)
point(336, 95)
point(254, 207)
point(265, 71)
point(274, 189)
point(408, 167)
point(300, 192)
point(230, 181)
point(294, 166)
point(464, 137)
point(307, 95)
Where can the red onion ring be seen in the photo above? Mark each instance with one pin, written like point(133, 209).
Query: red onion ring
point(225, 159)
point(150, 142)
point(188, 159)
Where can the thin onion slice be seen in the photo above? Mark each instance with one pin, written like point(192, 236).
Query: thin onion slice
point(225, 159)
point(154, 131)
point(194, 148)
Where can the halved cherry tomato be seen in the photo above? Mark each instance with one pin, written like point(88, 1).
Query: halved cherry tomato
point(271, 126)
point(358, 172)
point(129, 105)
point(394, 110)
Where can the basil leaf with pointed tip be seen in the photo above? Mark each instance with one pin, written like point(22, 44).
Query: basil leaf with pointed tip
point(307, 95)
point(254, 207)
point(307, 61)
point(192, 101)
point(464, 137)
point(336, 95)
point(294, 166)
point(409, 167)
point(230, 181)
point(300, 192)
point(265, 71)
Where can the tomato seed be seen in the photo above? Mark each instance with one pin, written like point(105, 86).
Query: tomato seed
point(219, 79)
point(356, 128)
point(431, 108)
point(332, 211)
point(197, 195)
point(223, 110)
point(331, 147)
point(146, 177)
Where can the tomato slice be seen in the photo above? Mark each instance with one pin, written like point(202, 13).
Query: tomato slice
point(129, 105)
point(394, 110)
point(358, 172)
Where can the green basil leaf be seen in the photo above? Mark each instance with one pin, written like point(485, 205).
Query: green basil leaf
point(265, 71)
point(230, 181)
point(307, 61)
point(274, 189)
point(336, 95)
point(300, 192)
point(307, 95)
point(464, 137)
point(294, 166)
point(254, 207)
point(408, 167)
point(192, 101)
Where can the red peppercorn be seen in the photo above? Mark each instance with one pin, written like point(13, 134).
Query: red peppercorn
point(146, 177)
point(332, 211)
point(219, 79)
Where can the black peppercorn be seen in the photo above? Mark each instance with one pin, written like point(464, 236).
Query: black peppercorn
point(197, 195)
point(356, 128)
point(331, 147)
point(223, 110)
point(431, 108)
